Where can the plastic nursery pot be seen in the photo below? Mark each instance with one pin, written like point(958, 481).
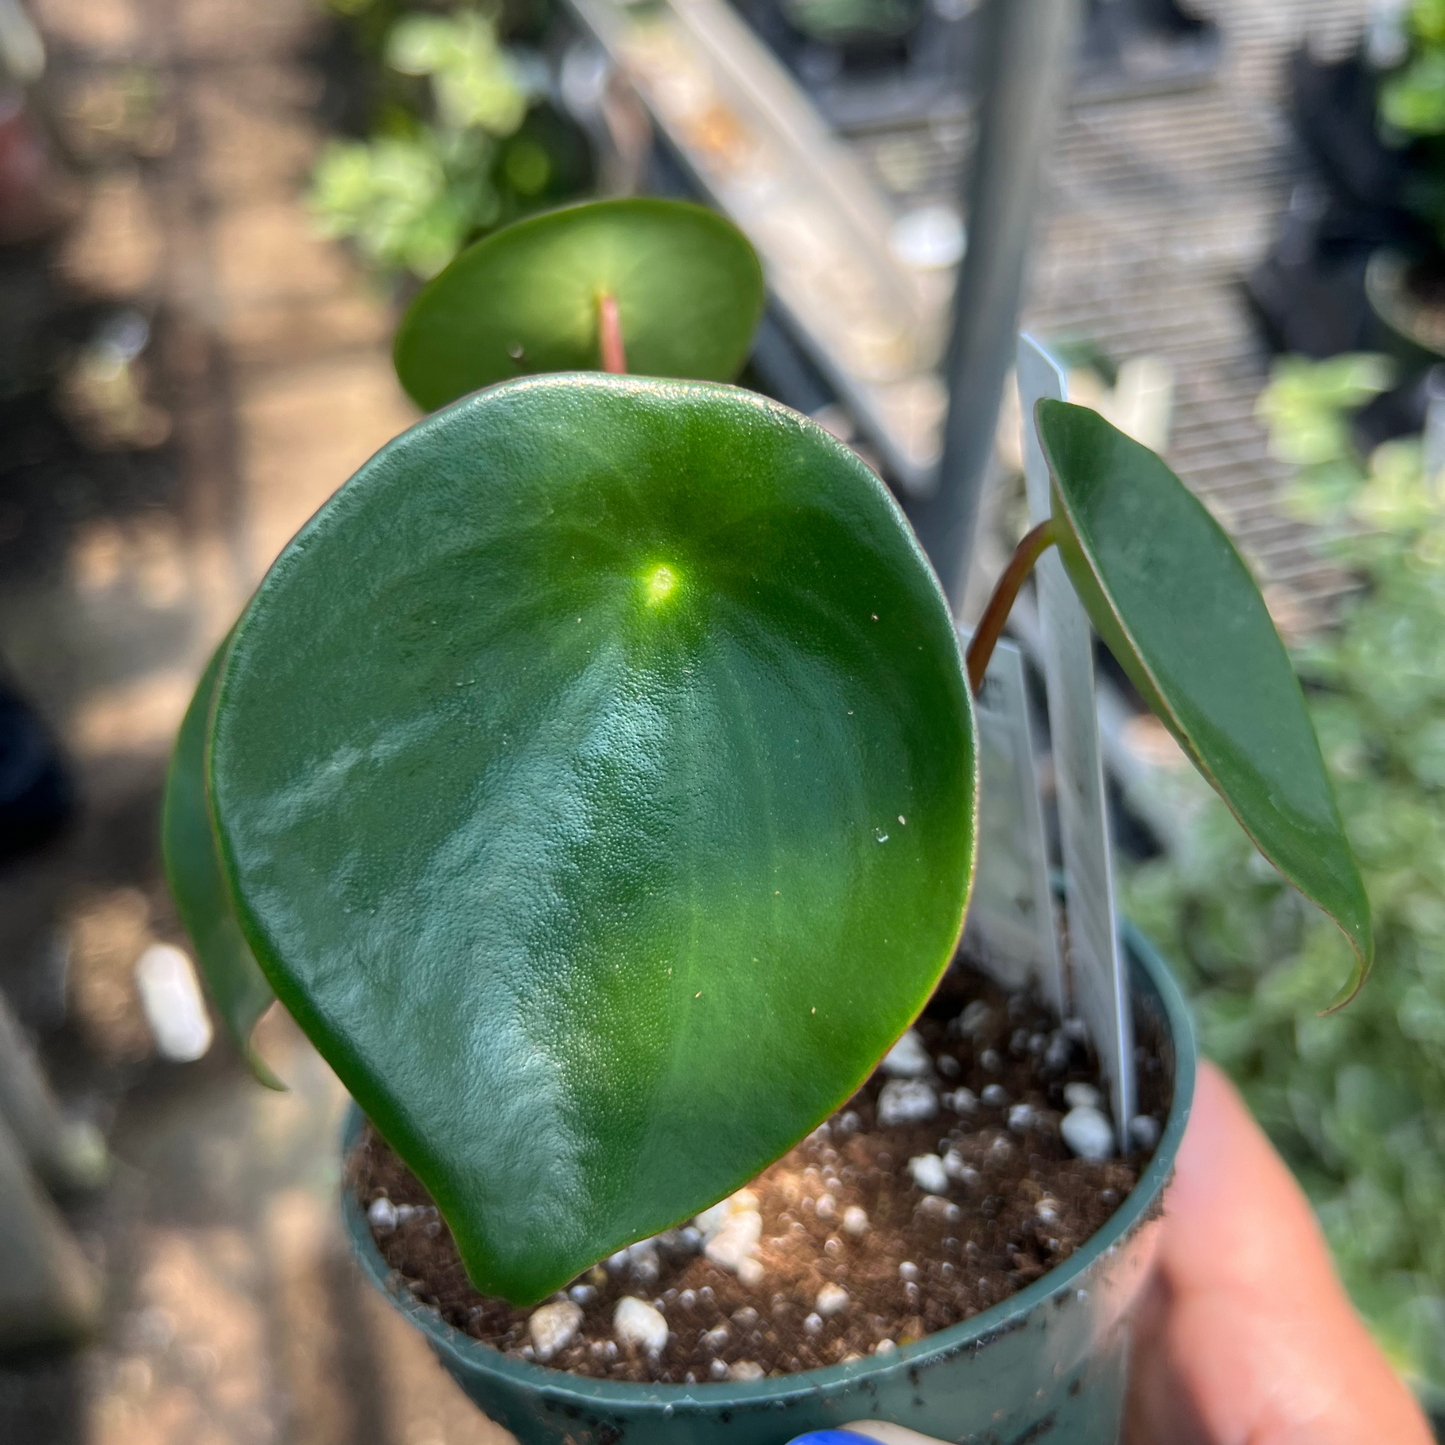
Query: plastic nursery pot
point(1048, 1364)
point(1412, 328)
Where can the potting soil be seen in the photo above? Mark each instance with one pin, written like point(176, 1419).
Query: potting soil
point(1018, 1204)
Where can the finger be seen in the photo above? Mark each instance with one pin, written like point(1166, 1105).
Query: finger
point(1252, 1340)
point(867, 1432)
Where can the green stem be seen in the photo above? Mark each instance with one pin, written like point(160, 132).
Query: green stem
point(990, 625)
point(609, 335)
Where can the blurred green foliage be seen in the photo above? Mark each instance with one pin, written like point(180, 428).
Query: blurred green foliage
point(1412, 100)
point(1411, 113)
point(843, 20)
point(1355, 1101)
point(461, 140)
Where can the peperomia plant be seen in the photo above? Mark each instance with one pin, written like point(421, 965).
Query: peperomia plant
point(594, 776)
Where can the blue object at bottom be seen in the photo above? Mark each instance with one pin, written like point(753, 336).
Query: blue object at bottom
point(830, 1437)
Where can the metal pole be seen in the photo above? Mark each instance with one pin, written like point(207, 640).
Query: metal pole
point(49, 1291)
point(1028, 57)
point(66, 1153)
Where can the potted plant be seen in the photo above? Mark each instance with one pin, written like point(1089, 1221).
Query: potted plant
point(1358, 260)
point(1405, 281)
point(594, 779)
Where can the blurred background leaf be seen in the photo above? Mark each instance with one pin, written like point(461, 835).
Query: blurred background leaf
point(460, 140)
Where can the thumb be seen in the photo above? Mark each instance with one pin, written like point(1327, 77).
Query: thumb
point(1250, 1337)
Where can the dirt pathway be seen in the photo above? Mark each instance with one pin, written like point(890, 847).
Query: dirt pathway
point(130, 532)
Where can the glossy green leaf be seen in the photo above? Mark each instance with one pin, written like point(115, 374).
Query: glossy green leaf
point(1175, 603)
point(595, 777)
point(238, 987)
point(688, 287)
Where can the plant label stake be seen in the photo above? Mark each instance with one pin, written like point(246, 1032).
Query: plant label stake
point(1100, 984)
point(1011, 926)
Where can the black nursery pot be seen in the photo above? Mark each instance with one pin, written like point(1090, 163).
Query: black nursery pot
point(1412, 325)
point(1048, 1364)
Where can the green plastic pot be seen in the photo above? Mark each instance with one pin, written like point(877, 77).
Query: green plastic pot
point(1050, 1364)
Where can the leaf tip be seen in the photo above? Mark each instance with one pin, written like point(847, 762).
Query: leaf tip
point(263, 1072)
point(1364, 946)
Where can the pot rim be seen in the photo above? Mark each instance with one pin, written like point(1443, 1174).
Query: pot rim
point(583, 1391)
point(1391, 298)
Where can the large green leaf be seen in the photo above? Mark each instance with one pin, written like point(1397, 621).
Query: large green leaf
point(1175, 603)
point(238, 987)
point(561, 768)
point(688, 289)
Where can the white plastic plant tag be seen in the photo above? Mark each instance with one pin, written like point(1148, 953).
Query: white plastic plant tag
point(1100, 982)
point(1011, 929)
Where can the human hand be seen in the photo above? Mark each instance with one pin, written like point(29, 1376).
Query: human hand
point(1246, 1337)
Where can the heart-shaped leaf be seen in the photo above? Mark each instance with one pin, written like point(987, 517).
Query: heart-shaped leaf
point(238, 987)
point(595, 778)
point(686, 284)
point(1171, 597)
